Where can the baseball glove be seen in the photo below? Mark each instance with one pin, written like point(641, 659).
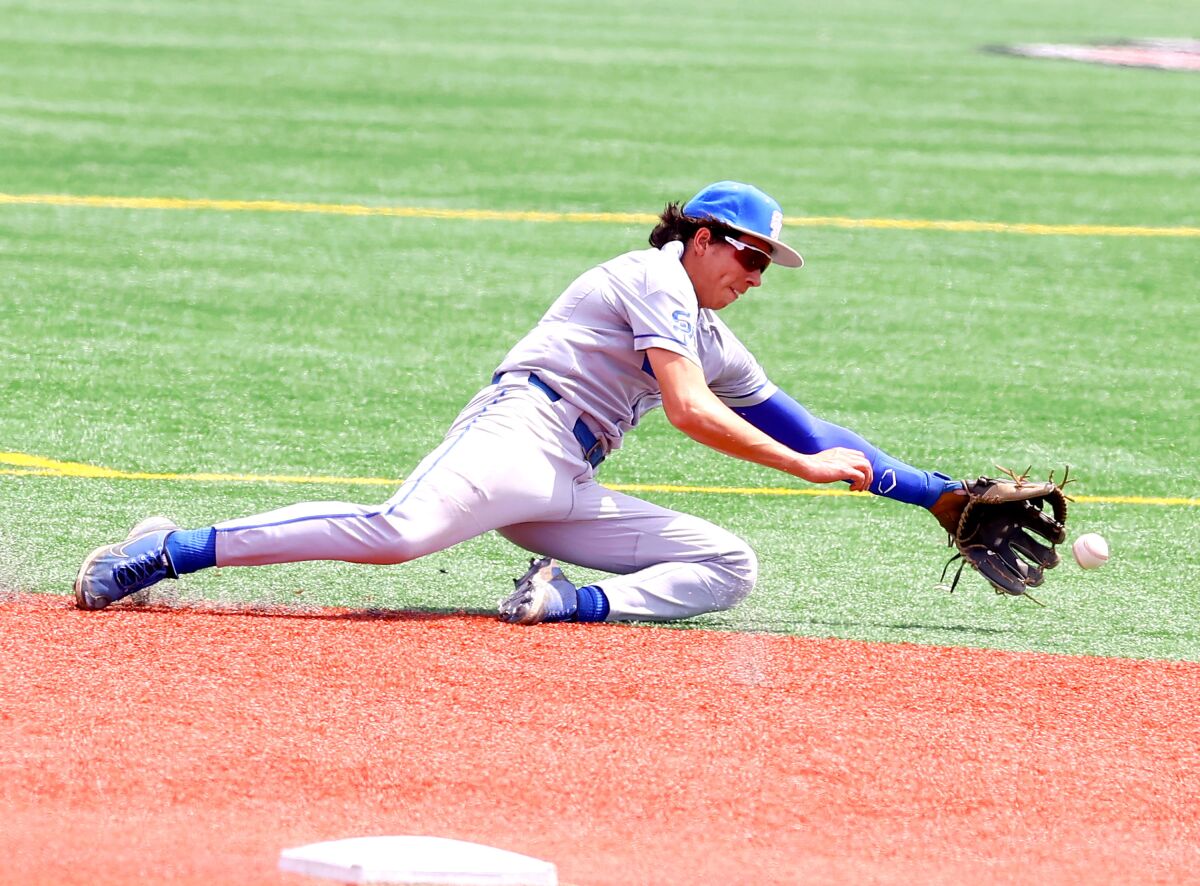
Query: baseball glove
point(1003, 527)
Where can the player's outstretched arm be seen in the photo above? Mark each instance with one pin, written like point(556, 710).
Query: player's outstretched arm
point(694, 409)
point(785, 420)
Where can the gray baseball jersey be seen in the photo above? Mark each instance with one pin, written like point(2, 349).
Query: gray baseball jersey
point(589, 346)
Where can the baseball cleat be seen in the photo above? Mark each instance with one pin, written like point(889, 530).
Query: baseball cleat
point(542, 594)
point(113, 572)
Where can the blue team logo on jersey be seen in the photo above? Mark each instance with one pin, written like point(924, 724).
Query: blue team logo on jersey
point(683, 324)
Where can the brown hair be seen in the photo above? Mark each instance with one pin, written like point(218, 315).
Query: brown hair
point(674, 225)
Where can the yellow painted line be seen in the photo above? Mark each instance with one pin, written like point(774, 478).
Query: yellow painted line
point(1136, 500)
point(730, 490)
point(915, 224)
point(322, 208)
point(21, 463)
point(49, 467)
point(423, 212)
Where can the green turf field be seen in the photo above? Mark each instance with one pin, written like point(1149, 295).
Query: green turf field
point(199, 340)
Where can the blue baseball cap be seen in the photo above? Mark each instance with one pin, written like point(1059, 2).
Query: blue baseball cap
point(747, 209)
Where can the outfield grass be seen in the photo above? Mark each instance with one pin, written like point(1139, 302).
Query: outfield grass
point(182, 341)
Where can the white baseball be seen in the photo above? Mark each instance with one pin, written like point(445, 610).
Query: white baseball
point(1090, 550)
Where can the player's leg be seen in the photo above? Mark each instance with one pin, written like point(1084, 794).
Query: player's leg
point(668, 565)
point(494, 467)
point(455, 493)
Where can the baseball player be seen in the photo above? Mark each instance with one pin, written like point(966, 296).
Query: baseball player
point(636, 332)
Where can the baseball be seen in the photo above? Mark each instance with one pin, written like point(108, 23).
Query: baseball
point(1091, 550)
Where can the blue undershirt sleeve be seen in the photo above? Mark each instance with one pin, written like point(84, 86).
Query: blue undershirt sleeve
point(783, 419)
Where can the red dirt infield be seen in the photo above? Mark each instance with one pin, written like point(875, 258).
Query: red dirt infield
point(189, 746)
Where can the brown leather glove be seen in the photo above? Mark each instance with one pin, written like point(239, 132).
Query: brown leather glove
point(1000, 526)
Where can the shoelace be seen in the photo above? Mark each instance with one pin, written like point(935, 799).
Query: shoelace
point(137, 570)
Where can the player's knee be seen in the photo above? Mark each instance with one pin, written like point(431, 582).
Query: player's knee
point(739, 567)
point(393, 539)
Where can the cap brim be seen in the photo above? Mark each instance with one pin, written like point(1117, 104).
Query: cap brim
point(781, 253)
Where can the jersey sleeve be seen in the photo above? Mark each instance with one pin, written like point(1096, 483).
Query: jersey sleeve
point(739, 380)
point(662, 312)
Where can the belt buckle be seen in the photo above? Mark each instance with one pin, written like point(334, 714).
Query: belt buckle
point(595, 454)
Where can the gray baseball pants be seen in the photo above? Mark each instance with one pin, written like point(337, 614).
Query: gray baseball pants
point(511, 463)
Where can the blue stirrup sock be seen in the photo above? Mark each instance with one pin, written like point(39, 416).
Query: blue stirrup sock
point(569, 603)
point(191, 550)
point(592, 604)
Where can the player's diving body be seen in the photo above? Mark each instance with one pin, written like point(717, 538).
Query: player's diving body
point(633, 333)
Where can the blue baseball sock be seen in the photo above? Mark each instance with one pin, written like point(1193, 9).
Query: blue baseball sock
point(593, 604)
point(191, 550)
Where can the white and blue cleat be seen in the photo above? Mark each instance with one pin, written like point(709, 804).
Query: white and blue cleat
point(543, 593)
point(113, 572)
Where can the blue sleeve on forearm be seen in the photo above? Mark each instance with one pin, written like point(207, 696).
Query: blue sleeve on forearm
point(783, 419)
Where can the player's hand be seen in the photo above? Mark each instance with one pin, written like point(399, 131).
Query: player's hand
point(836, 464)
point(949, 507)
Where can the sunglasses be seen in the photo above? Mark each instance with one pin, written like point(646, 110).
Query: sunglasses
point(749, 257)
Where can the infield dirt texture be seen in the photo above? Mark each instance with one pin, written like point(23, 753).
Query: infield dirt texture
point(252, 254)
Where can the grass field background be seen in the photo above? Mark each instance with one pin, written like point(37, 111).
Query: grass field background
point(281, 343)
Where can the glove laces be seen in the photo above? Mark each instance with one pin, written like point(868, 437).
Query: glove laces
point(942, 586)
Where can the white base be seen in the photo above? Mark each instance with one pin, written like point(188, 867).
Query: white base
point(426, 860)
